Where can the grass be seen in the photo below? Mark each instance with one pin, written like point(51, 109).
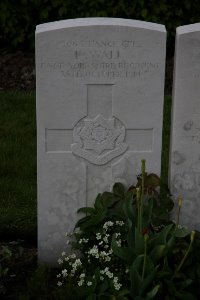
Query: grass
point(17, 165)
point(18, 205)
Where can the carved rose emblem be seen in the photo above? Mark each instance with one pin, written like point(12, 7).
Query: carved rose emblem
point(93, 137)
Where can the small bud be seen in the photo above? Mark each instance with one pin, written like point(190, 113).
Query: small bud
point(143, 161)
point(146, 236)
point(192, 236)
point(180, 201)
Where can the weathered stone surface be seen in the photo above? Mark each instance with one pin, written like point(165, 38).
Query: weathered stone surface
point(185, 133)
point(100, 86)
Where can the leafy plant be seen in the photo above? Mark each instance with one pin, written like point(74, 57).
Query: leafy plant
point(19, 18)
point(127, 248)
point(5, 255)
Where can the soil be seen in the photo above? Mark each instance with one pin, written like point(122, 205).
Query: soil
point(21, 262)
point(17, 72)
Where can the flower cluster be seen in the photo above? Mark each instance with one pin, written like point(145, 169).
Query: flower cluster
point(97, 262)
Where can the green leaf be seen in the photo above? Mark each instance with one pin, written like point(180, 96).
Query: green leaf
point(99, 217)
point(98, 202)
point(188, 296)
point(91, 297)
point(185, 283)
point(103, 287)
point(153, 292)
point(108, 199)
point(181, 232)
point(147, 213)
point(146, 282)
point(118, 189)
point(86, 210)
point(135, 278)
point(152, 180)
point(158, 252)
point(138, 263)
point(124, 292)
point(128, 208)
point(124, 253)
point(131, 237)
point(171, 242)
point(161, 237)
point(82, 221)
point(139, 242)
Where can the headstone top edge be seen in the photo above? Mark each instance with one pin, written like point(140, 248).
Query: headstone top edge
point(188, 28)
point(79, 22)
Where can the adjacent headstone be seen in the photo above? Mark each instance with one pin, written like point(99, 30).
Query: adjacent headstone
point(185, 133)
point(100, 88)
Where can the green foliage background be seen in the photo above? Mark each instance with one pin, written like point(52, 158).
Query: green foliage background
point(19, 18)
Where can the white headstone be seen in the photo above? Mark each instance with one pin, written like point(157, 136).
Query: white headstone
point(100, 88)
point(185, 131)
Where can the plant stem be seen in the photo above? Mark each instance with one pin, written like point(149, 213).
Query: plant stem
point(138, 207)
point(187, 252)
point(142, 193)
point(145, 255)
point(180, 201)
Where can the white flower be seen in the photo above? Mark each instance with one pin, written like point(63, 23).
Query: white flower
point(107, 225)
point(60, 261)
point(89, 283)
point(66, 258)
point(83, 240)
point(64, 273)
point(116, 284)
point(107, 258)
point(105, 255)
point(63, 253)
point(58, 276)
point(105, 239)
point(98, 236)
point(80, 283)
point(118, 243)
point(117, 234)
point(120, 223)
point(109, 274)
point(104, 271)
point(59, 283)
point(94, 251)
point(82, 275)
point(76, 264)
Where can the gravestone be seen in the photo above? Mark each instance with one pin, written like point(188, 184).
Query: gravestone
point(100, 87)
point(185, 132)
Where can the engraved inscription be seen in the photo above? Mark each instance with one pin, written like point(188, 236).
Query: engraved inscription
point(103, 69)
point(192, 130)
point(107, 59)
point(93, 137)
point(100, 43)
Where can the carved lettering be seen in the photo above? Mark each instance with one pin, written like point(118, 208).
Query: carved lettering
point(100, 44)
point(110, 54)
point(103, 69)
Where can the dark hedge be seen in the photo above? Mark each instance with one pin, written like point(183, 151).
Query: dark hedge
point(18, 18)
